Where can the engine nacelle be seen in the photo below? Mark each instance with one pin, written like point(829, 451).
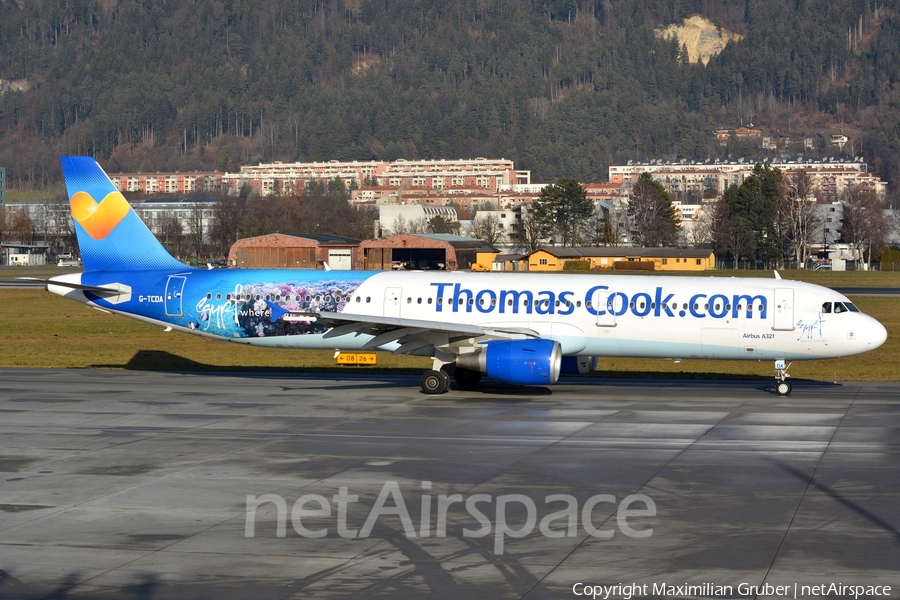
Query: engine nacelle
point(578, 365)
point(527, 362)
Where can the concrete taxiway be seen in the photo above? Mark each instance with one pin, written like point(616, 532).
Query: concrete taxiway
point(117, 484)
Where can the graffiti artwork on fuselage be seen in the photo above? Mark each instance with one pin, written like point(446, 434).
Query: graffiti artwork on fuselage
point(244, 312)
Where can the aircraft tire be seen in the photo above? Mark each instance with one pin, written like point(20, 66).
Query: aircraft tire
point(435, 382)
point(783, 388)
point(467, 378)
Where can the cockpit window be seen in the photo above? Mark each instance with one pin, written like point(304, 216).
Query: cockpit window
point(839, 307)
point(826, 308)
point(851, 306)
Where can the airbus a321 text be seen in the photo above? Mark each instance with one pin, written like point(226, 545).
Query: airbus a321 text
point(517, 328)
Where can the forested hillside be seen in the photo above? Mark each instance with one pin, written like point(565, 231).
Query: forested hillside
point(562, 87)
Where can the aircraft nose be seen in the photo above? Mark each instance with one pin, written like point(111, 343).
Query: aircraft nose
point(877, 334)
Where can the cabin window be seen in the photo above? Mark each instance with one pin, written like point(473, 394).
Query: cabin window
point(218, 296)
point(419, 301)
point(368, 299)
point(357, 298)
point(578, 304)
point(209, 296)
point(429, 301)
point(228, 297)
point(683, 306)
point(408, 300)
point(698, 261)
point(727, 307)
point(440, 300)
point(493, 302)
point(631, 305)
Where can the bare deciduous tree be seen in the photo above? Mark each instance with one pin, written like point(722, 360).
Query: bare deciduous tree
point(21, 226)
point(865, 223)
point(797, 217)
point(196, 228)
point(486, 226)
point(529, 232)
point(400, 226)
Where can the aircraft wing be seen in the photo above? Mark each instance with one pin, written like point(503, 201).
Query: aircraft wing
point(410, 334)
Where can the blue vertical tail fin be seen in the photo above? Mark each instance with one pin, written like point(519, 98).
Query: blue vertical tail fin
point(110, 235)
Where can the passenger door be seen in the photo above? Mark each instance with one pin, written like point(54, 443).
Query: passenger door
point(604, 301)
point(784, 310)
point(174, 292)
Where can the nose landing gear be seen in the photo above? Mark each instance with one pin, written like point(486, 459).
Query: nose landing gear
point(782, 385)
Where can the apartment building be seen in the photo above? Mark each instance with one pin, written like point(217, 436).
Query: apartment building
point(830, 175)
point(168, 183)
point(483, 173)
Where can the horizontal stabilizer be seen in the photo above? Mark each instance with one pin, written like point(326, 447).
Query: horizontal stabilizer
point(114, 293)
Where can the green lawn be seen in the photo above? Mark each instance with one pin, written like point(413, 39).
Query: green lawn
point(46, 331)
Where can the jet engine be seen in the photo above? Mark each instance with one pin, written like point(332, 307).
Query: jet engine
point(526, 362)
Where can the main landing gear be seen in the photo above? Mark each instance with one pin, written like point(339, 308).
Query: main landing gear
point(782, 385)
point(437, 381)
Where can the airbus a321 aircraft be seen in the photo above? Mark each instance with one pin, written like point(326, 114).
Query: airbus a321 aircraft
point(517, 328)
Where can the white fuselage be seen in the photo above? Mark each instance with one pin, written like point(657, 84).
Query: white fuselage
point(597, 315)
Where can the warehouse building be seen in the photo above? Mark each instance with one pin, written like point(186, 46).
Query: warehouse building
point(425, 251)
point(293, 251)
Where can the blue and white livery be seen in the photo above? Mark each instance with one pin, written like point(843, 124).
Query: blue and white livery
point(519, 328)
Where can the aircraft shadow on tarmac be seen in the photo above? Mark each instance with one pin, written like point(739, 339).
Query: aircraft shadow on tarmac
point(160, 360)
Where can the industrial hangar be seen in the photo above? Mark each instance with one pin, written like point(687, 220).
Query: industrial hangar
point(408, 251)
point(293, 251)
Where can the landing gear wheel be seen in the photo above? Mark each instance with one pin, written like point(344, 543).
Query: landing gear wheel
point(466, 378)
point(435, 382)
point(783, 388)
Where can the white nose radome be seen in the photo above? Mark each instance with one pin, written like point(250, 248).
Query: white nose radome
point(877, 334)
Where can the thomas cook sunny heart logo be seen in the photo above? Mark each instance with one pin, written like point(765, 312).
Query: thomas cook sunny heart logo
point(99, 219)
